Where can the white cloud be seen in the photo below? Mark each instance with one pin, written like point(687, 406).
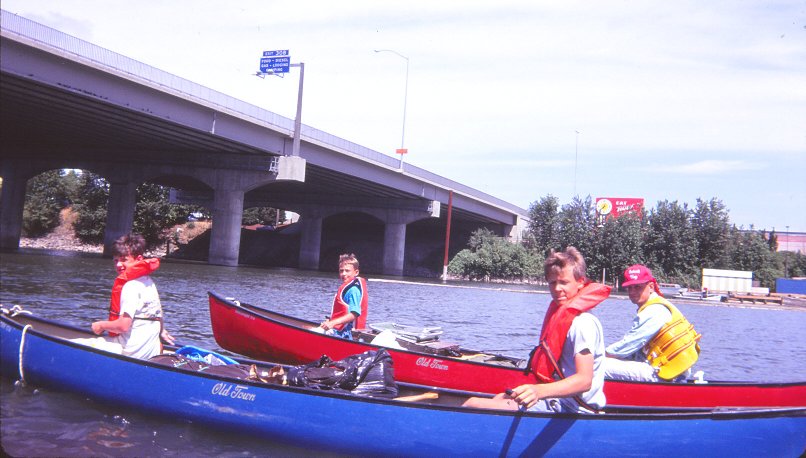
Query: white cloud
point(711, 167)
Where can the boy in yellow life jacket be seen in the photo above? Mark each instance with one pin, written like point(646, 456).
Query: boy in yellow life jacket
point(661, 345)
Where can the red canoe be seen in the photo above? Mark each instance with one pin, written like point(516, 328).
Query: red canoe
point(266, 335)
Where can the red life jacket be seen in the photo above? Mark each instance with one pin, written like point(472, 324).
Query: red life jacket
point(545, 358)
point(133, 270)
point(341, 307)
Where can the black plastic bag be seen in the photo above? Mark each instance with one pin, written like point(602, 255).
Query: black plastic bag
point(239, 371)
point(369, 374)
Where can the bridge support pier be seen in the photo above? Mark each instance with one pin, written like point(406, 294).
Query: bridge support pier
point(225, 237)
point(119, 212)
point(394, 248)
point(12, 203)
point(310, 242)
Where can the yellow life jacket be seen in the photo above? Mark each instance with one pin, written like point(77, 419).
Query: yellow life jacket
point(675, 347)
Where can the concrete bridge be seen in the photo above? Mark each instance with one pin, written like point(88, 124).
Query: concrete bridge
point(66, 103)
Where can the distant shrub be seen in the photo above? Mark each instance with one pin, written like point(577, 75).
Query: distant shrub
point(494, 258)
point(45, 196)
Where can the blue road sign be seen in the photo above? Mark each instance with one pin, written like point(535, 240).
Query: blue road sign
point(281, 52)
point(275, 64)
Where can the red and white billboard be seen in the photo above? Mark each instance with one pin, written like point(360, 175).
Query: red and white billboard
point(616, 206)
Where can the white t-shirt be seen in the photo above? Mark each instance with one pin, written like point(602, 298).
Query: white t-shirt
point(585, 333)
point(139, 299)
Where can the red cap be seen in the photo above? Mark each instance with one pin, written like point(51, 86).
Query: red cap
point(637, 274)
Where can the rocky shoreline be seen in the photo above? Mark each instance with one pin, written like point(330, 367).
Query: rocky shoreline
point(63, 238)
point(51, 242)
point(54, 242)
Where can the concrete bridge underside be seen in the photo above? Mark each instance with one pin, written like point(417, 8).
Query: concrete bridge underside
point(79, 106)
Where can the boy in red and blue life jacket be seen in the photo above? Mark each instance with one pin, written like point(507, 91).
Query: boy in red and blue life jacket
point(350, 302)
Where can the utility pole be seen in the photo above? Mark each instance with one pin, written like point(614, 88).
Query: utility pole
point(298, 118)
point(402, 150)
point(576, 160)
point(785, 253)
point(447, 238)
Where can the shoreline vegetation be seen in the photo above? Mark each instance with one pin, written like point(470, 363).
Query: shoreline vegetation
point(63, 239)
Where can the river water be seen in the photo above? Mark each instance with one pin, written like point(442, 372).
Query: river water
point(738, 343)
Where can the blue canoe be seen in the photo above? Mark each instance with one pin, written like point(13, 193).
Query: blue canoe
point(38, 352)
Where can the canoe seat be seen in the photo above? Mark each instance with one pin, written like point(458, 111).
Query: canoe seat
point(433, 347)
point(410, 333)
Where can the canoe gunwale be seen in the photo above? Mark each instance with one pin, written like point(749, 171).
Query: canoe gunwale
point(297, 415)
point(617, 412)
point(287, 322)
point(262, 313)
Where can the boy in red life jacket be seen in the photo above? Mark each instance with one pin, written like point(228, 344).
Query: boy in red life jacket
point(568, 362)
point(350, 302)
point(135, 312)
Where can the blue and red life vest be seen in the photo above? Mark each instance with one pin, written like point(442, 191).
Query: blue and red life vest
point(341, 307)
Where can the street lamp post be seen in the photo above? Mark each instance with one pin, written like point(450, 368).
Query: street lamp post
point(298, 118)
point(402, 149)
point(576, 158)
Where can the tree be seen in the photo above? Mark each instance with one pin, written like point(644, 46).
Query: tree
point(577, 221)
point(154, 214)
point(492, 257)
point(671, 244)
point(543, 230)
point(772, 241)
point(90, 206)
point(711, 224)
point(45, 196)
point(751, 252)
point(796, 264)
point(617, 244)
point(261, 215)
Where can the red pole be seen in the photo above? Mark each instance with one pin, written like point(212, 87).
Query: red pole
point(447, 237)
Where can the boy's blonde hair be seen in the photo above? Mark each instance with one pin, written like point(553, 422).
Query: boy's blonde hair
point(349, 259)
point(557, 261)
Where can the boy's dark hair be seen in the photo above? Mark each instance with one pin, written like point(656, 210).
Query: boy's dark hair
point(557, 261)
point(129, 244)
point(349, 259)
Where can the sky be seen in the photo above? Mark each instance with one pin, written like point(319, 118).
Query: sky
point(519, 99)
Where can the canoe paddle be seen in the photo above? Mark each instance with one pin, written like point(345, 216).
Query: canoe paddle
point(418, 397)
